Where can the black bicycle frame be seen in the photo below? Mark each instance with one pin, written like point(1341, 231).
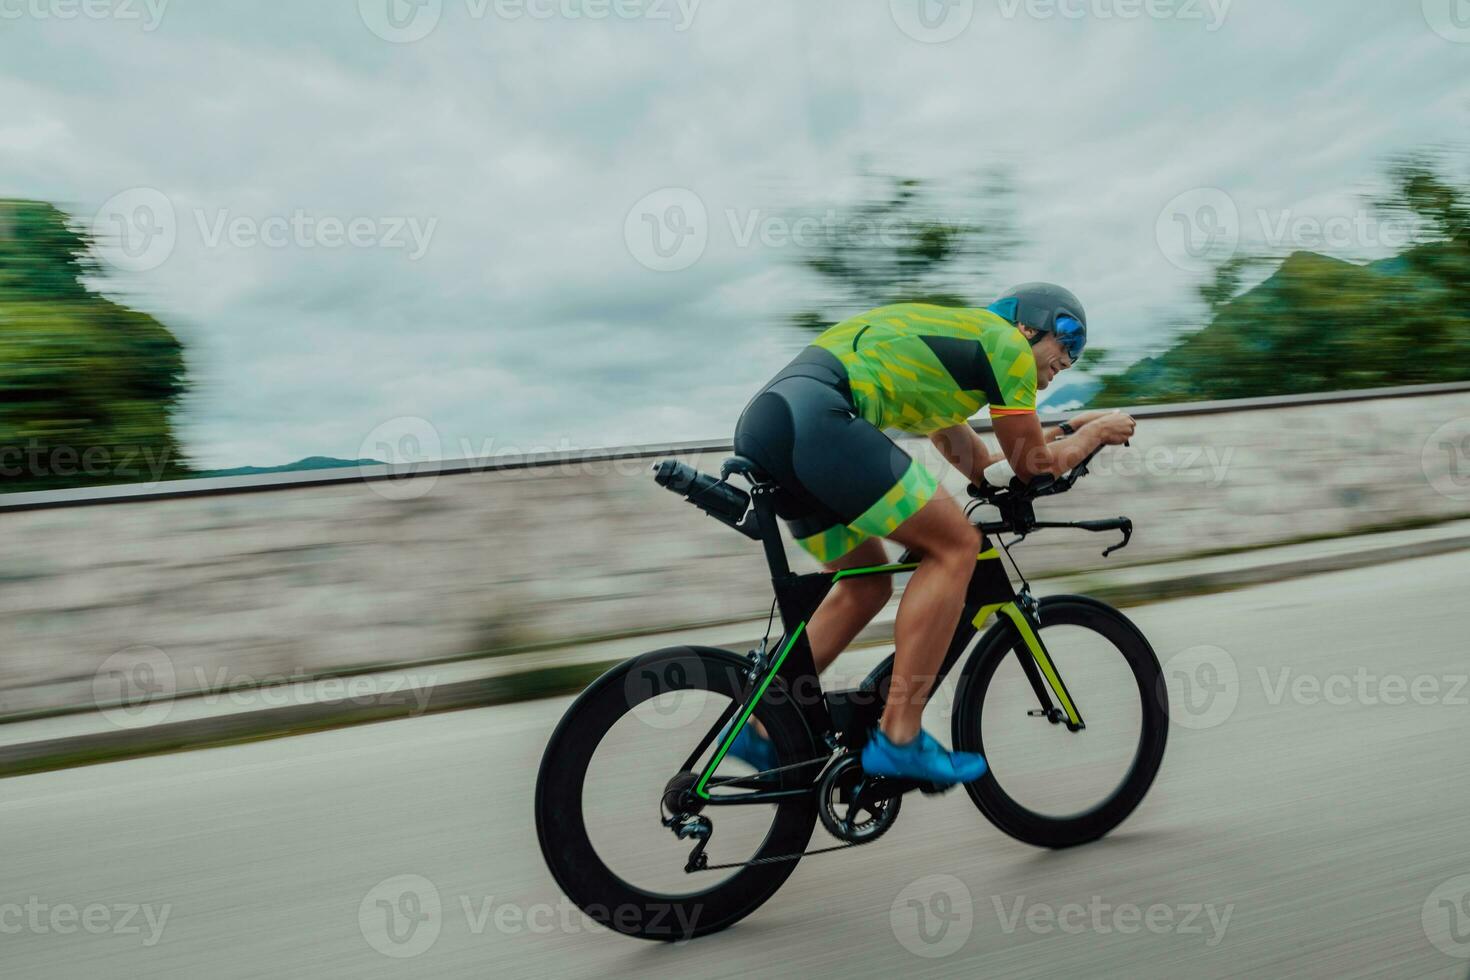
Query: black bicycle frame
point(797, 598)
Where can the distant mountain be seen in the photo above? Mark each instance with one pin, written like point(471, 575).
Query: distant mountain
point(1318, 324)
point(309, 463)
point(1067, 393)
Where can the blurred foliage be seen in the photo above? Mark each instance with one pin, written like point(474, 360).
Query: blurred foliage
point(1319, 324)
point(89, 386)
point(908, 241)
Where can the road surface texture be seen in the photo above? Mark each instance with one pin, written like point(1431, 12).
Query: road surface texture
point(1310, 820)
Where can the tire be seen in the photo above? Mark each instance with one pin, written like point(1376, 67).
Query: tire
point(1092, 823)
point(561, 820)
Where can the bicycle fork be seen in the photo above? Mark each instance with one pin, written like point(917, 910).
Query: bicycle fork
point(1041, 671)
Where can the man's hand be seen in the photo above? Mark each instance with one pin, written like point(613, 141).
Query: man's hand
point(1030, 455)
point(1113, 428)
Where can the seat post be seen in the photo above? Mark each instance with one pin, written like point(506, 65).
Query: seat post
point(763, 498)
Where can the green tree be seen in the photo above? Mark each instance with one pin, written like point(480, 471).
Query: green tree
point(89, 386)
point(907, 241)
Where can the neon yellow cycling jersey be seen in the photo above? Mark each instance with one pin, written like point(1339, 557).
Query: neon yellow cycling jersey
point(922, 368)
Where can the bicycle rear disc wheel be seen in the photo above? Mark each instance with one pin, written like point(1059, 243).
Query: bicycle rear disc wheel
point(602, 780)
point(1048, 786)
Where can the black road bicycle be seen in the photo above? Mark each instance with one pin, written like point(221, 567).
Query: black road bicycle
point(1062, 695)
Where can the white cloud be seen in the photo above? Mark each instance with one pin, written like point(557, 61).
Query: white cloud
point(528, 321)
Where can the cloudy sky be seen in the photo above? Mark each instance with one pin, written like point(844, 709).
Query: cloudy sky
point(539, 224)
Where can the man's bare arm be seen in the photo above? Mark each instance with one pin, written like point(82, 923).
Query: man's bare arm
point(1030, 453)
point(965, 450)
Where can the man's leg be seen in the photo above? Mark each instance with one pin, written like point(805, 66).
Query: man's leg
point(930, 608)
point(851, 605)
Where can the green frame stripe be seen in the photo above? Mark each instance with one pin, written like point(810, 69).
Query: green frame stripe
point(875, 570)
point(739, 726)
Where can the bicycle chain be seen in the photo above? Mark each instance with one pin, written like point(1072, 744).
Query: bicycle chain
point(777, 859)
point(783, 857)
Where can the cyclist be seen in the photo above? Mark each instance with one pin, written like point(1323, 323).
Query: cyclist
point(817, 429)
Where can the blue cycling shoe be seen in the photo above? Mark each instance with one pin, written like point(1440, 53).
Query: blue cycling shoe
point(923, 760)
point(752, 749)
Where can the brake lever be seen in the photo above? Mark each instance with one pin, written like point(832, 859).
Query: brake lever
point(1127, 530)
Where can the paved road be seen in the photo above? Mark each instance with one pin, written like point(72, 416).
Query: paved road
point(1310, 820)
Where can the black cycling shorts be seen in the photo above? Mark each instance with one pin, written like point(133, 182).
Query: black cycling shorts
point(842, 480)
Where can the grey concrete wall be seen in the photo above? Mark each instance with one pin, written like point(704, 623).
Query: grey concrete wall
point(314, 579)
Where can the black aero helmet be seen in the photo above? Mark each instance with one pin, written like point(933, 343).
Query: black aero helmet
point(1048, 309)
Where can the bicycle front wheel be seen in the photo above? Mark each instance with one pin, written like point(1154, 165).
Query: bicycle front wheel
point(1049, 786)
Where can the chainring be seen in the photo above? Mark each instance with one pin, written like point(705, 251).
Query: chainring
point(853, 806)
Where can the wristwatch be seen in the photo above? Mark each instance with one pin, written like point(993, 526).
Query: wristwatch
point(1067, 429)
